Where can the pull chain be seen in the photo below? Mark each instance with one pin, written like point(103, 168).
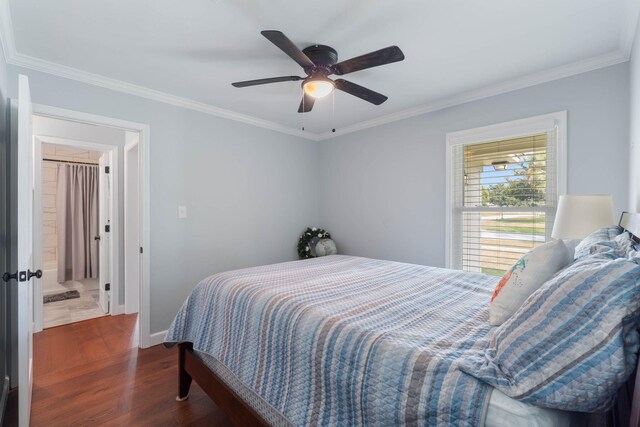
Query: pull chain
point(333, 118)
point(302, 113)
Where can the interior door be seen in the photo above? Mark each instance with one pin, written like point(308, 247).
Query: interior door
point(104, 196)
point(25, 250)
point(4, 259)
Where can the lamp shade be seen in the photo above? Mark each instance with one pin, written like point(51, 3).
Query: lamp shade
point(579, 216)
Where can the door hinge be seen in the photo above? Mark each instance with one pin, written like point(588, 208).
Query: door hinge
point(140, 249)
point(107, 169)
point(107, 228)
point(107, 286)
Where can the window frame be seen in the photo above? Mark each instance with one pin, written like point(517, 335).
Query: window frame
point(506, 130)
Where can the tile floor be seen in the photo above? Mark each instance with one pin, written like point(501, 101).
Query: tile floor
point(77, 309)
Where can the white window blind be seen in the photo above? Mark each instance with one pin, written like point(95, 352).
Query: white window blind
point(503, 197)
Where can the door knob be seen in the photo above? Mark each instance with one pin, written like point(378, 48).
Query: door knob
point(8, 276)
point(37, 273)
point(96, 238)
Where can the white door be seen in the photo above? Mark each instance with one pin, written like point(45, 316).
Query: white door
point(104, 196)
point(25, 250)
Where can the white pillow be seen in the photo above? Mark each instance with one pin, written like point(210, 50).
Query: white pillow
point(527, 275)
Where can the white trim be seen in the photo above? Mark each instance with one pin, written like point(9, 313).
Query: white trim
point(147, 93)
point(143, 157)
point(131, 257)
point(37, 233)
point(561, 72)
point(114, 241)
point(6, 31)
point(506, 130)
point(630, 26)
point(117, 309)
point(157, 338)
point(448, 248)
point(622, 54)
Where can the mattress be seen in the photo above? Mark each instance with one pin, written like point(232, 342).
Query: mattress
point(504, 411)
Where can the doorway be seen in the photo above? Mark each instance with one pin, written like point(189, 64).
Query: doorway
point(61, 137)
point(73, 221)
point(72, 204)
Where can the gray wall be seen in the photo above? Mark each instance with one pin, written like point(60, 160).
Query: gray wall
point(634, 126)
point(249, 191)
point(382, 190)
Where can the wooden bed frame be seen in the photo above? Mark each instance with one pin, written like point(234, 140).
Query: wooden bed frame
point(625, 412)
point(190, 367)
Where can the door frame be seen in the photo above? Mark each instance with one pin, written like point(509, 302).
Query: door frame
point(114, 268)
point(131, 255)
point(144, 324)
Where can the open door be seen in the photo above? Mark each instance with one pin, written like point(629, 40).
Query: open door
point(104, 265)
point(24, 225)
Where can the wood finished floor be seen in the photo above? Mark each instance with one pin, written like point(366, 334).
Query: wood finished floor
point(91, 373)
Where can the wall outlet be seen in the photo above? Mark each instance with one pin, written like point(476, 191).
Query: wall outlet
point(182, 211)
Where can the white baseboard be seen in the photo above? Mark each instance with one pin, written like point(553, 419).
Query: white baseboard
point(157, 338)
point(117, 309)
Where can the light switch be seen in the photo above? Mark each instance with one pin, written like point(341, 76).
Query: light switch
point(182, 211)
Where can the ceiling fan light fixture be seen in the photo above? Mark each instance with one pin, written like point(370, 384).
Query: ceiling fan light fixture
point(318, 87)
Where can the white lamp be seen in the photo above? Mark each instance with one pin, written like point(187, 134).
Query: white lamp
point(579, 216)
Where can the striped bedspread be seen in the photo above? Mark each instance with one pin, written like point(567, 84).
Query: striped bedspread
point(343, 340)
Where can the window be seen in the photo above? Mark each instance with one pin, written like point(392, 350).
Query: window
point(503, 183)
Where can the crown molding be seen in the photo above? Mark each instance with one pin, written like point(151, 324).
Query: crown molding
point(7, 40)
point(131, 89)
point(623, 54)
point(629, 26)
point(601, 61)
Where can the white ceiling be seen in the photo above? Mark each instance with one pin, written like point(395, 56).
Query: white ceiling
point(455, 49)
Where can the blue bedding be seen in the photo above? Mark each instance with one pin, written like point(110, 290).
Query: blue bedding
point(343, 340)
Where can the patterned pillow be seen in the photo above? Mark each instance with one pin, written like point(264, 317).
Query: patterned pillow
point(528, 274)
point(603, 235)
point(573, 342)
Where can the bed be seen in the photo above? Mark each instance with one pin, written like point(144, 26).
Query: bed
point(344, 340)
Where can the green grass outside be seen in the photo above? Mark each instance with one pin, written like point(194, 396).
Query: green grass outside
point(492, 271)
point(529, 219)
point(515, 229)
point(526, 225)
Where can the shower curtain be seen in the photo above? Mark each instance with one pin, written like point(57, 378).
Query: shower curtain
point(77, 220)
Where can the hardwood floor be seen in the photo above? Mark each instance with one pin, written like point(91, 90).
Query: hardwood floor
point(92, 374)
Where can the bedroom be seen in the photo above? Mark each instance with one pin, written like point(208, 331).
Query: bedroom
point(251, 180)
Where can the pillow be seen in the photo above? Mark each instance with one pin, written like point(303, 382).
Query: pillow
point(526, 275)
point(603, 235)
point(573, 342)
point(621, 246)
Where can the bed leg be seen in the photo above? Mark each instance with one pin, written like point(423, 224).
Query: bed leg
point(184, 379)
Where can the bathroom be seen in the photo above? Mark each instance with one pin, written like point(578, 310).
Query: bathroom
point(70, 234)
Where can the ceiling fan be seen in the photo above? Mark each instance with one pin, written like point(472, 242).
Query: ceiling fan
point(319, 62)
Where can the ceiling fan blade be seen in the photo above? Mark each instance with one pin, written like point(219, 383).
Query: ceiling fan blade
point(265, 81)
point(360, 91)
point(306, 104)
point(373, 59)
point(287, 46)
